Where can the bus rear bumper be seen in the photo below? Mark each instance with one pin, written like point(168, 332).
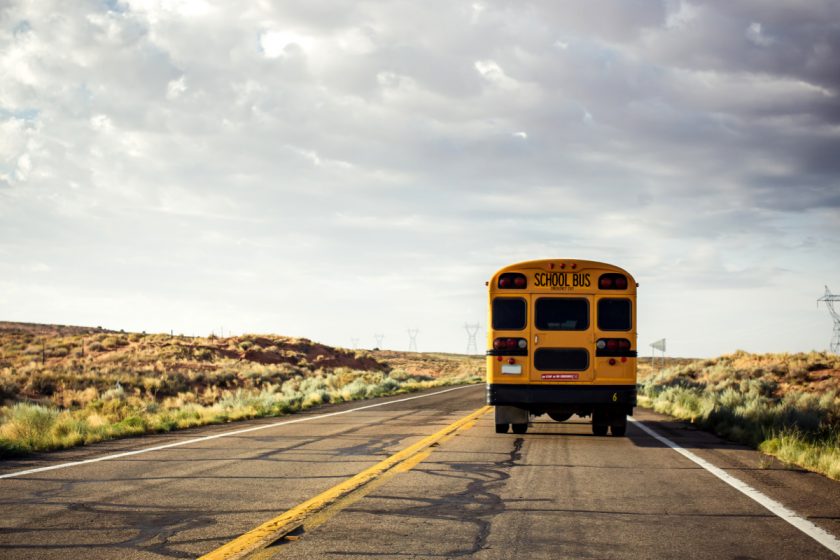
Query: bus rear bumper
point(548, 397)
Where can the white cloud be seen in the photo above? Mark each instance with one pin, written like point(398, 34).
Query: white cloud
point(264, 166)
point(280, 43)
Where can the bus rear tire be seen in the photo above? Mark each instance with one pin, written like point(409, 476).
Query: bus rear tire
point(618, 426)
point(599, 423)
point(502, 428)
point(559, 416)
point(519, 428)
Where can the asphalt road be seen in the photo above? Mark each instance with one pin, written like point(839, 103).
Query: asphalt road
point(555, 492)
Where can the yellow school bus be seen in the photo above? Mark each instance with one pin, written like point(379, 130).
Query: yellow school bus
point(562, 341)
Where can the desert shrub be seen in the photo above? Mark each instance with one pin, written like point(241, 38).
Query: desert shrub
point(58, 352)
point(41, 384)
point(27, 424)
point(95, 346)
point(746, 403)
point(9, 389)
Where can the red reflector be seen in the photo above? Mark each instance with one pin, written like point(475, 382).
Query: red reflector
point(499, 358)
point(623, 359)
point(511, 361)
point(612, 361)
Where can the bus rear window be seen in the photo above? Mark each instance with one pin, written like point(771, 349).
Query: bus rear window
point(614, 314)
point(509, 314)
point(562, 314)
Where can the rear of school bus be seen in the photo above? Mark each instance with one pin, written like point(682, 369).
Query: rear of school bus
point(562, 341)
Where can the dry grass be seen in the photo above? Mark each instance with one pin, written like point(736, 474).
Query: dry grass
point(65, 386)
point(787, 405)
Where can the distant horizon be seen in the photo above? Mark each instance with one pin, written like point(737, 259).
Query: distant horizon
point(642, 355)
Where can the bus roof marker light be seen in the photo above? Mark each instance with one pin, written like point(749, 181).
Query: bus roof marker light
point(551, 266)
point(574, 266)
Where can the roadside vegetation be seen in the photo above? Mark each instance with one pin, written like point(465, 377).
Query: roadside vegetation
point(786, 405)
point(66, 386)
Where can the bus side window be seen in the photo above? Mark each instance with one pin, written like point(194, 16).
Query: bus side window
point(509, 314)
point(614, 314)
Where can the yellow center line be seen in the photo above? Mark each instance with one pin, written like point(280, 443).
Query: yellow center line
point(275, 528)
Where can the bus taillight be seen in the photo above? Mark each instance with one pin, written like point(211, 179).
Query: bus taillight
point(509, 347)
point(617, 347)
point(512, 280)
point(612, 281)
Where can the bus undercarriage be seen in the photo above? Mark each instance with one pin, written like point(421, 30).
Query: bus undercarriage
point(609, 405)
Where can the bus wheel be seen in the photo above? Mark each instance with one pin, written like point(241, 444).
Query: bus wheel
point(618, 426)
point(502, 428)
point(599, 424)
point(519, 428)
point(559, 416)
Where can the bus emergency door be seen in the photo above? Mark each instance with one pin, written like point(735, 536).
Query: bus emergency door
point(562, 338)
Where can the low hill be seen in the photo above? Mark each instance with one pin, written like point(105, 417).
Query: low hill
point(85, 384)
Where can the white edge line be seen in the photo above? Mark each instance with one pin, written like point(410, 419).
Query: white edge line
point(216, 436)
point(817, 533)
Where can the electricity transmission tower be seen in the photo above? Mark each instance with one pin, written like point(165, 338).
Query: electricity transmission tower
point(472, 330)
point(412, 339)
point(379, 338)
point(829, 300)
point(355, 343)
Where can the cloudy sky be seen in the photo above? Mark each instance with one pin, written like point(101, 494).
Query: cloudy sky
point(335, 170)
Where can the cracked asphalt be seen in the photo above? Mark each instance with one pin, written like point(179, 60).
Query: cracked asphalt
point(555, 492)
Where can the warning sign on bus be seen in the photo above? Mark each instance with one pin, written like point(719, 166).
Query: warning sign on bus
point(559, 376)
